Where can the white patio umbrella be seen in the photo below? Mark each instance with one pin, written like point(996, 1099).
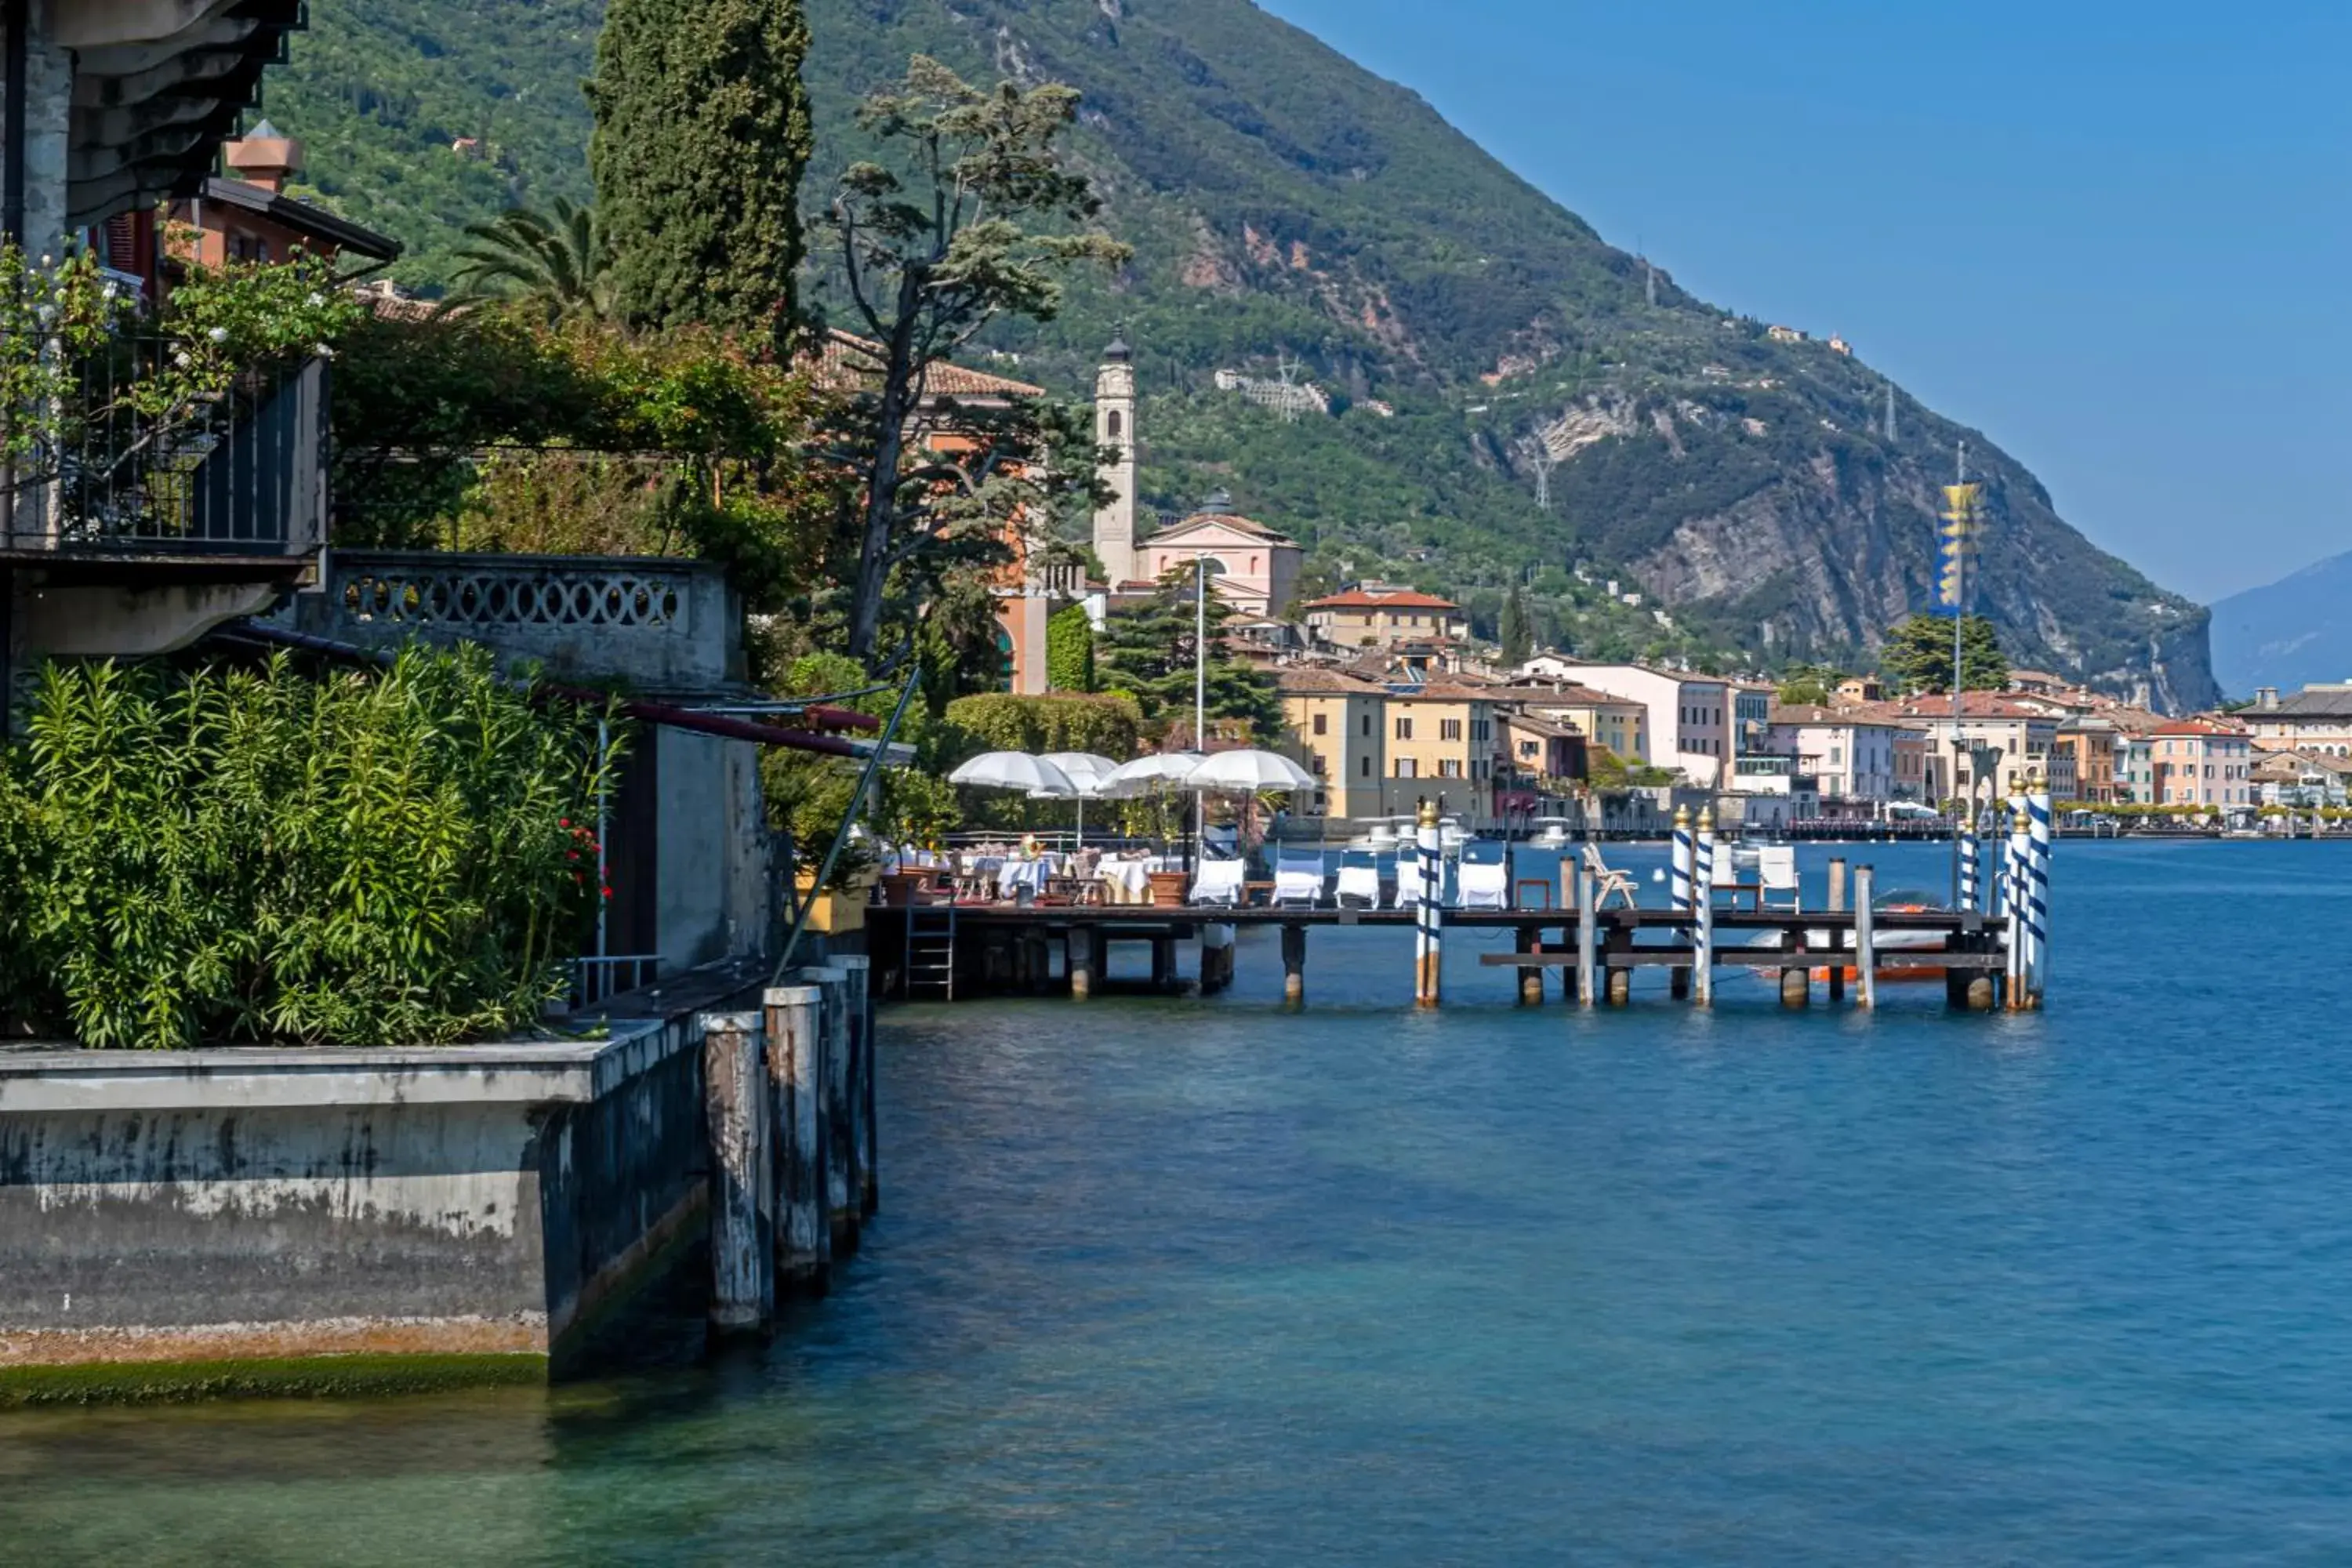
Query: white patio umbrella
point(1145, 774)
point(1016, 770)
point(1248, 772)
point(1086, 770)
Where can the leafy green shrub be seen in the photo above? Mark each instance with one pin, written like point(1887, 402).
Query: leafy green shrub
point(1070, 649)
point(373, 858)
point(1107, 725)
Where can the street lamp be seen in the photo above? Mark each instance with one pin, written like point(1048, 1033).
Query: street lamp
point(1205, 566)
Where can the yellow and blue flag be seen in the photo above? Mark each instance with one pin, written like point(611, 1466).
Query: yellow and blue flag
point(1954, 536)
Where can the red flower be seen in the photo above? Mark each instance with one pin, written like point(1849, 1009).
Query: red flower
point(608, 893)
point(562, 822)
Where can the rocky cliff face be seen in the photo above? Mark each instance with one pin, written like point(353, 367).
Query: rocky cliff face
point(1485, 348)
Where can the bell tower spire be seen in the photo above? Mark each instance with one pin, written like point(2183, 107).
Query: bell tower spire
point(1114, 533)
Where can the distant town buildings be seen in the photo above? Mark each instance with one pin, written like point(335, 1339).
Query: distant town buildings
point(1376, 616)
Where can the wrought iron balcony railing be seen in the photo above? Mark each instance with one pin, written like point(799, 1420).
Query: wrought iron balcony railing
point(111, 470)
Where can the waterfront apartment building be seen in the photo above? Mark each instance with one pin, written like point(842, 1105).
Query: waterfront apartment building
point(2135, 780)
point(2202, 762)
point(1618, 724)
point(1689, 718)
point(1374, 615)
point(2090, 746)
point(1996, 745)
point(2300, 780)
point(2316, 720)
point(1336, 726)
point(1442, 742)
point(1852, 761)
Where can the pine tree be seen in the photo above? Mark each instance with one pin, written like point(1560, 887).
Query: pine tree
point(1918, 654)
point(702, 134)
point(1518, 642)
point(1148, 653)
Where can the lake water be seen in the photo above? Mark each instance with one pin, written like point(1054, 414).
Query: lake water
point(1169, 1280)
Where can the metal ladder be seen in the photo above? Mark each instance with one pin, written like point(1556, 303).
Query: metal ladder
point(931, 951)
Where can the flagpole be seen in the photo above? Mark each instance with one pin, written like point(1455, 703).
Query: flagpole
point(1960, 624)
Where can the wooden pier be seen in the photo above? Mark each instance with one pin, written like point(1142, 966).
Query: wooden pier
point(1989, 956)
point(1003, 948)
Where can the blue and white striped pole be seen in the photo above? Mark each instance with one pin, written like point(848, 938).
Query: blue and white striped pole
point(1679, 890)
point(1703, 850)
point(1427, 952)
point(2020, 846)
point(1967, 867)
point(2037, 889)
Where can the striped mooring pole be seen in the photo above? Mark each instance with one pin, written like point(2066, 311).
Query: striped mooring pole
point(1968, 866)
point(1427, 942)
point(1679, 890)
point(2037, 888)
point(1703, 895)
point(2020, 846)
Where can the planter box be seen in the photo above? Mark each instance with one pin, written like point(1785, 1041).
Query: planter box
point(1169, 888)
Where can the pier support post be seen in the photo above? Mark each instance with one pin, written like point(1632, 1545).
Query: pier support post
point(1702, 879)
point(1796, 988)
point(1588, 986)
point(1678, 980)
point(735, 1103)
point(1216, 957)
point(1083, 958)
point(1163, 962)
point(1619, 984)
point(1969, 898)
point(1979, 993)
point(840, 1183)
point(795, 1018)
point(1294, 964)
point(1837, 938)
point(1865, 936)
point(860, 970)
point(1531, 987)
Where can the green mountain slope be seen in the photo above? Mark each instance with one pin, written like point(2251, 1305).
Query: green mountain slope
point(1473, 339)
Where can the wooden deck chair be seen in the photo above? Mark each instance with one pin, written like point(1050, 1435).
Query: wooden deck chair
point(1607, 883)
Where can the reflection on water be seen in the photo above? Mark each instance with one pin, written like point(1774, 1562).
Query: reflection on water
point(1165, 1278)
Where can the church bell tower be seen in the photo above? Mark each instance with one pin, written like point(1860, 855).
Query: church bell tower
point(1114, 538)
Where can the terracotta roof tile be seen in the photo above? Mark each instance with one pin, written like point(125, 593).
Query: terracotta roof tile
point(1357, 599)
point(846, 363)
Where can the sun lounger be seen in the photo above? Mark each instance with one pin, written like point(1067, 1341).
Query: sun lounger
point(1776, 871)
point(1219, 882)
point(1299, 880)
point(1483, 885)
point(1360, 883)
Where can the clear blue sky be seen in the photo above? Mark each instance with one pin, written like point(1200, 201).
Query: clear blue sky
point(2117, 237)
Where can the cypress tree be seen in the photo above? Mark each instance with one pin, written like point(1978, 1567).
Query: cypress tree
point(702, 134)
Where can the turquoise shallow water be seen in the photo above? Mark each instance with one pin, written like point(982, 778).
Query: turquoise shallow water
point(1168, 1279)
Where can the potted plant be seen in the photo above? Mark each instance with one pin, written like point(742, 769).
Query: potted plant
point(1169, 888)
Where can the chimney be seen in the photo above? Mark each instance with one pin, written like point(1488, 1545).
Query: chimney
point(2266, 698)
point(263, 157)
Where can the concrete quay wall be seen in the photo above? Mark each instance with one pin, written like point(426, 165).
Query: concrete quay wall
point(215, 1210)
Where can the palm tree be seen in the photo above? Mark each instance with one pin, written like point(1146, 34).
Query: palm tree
point(554, 260)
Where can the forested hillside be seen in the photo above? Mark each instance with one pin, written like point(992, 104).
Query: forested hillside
point(1474, 342)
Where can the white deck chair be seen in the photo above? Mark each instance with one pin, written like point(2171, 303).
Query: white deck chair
point(1408, 883)
point(1218, 882)
point(1361, 883)
point(1299, 881)
point(1608, 884)
point(1776, 869)
point(1485, 885)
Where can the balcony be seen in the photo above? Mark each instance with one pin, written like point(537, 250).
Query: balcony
point(114, 476)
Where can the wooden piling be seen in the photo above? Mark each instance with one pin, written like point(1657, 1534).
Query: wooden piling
point(840, 1183)
point(1619, 987)
point(1216, 957)
point(861, 1074)
point(1865, 936)
point(735, 1101)
point(2014, 978)
point(1796, 988)
point(1837, 937)
point(1163, 963)
point(1293, 964)
point(2037, 888)
point(795, 1019)
point(1588, 987)
point(1531, 987)
point(1082, 958)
